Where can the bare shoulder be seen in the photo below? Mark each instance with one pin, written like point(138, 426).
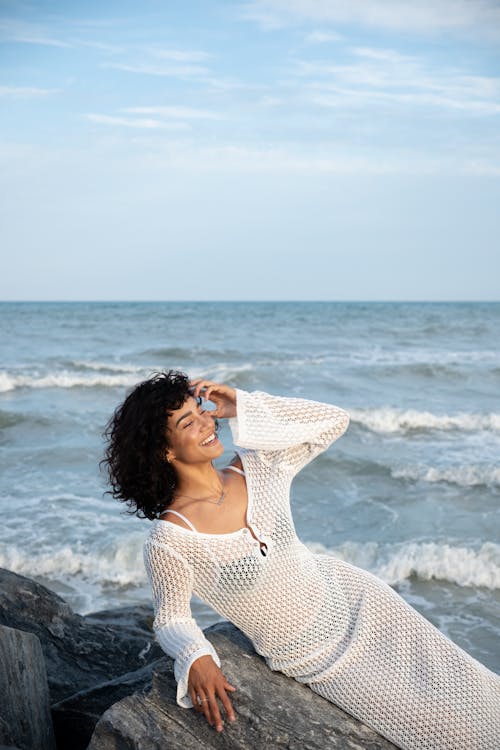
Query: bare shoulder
point(236, 461)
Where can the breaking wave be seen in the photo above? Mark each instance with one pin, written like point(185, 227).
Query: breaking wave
point(65, 379)
point(425, 560)
point(115, 563)
point(389, 420)
point(104, 375)
point(463, 476)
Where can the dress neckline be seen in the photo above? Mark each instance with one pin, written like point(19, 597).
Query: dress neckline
point(247, 527)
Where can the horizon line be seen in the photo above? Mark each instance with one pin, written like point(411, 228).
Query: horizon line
point(252, 301)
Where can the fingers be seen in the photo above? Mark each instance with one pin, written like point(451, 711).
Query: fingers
point(228, 708)
point(196, 704)
point(223, 396)
point(215, 713)
point(206, 703)
point(206, 708)
point(207, 685)
point(207, 386)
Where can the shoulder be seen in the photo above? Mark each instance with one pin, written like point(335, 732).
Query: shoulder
point(237, 462)
point(161, 552)
point(159, 536)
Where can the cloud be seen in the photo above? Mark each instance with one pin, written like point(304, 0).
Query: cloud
point(380, 75)
point(173, 71)
point(28, 33)
point(179, 55)
point(190, 156)
point(24, 92)
point(427, 16)
point(112, 49)
point(140, 123)
point(184, 113)
point(341, 96)
point(320, 37)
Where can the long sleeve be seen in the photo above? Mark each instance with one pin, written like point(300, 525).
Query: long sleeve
point(176, 630)
point(288, 431)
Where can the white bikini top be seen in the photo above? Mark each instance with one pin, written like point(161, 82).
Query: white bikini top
point(186, 520)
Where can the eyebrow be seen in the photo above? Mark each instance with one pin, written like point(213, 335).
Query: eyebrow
point(187, 414)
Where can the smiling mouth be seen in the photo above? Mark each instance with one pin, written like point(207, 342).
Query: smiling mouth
point(210, 440)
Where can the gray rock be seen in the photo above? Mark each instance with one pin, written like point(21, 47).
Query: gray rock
point(272, 711)
point(24, 694)
point(79, 652)
point(75, 717)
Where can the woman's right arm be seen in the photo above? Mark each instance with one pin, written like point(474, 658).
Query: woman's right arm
point(197, 665)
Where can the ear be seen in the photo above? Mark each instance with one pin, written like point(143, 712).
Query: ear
point(169, 456)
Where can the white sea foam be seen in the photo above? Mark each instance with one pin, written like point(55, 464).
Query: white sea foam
point(65, 379)
point(93, 374)
point(117, 563)
point(389, 420)
point(378, 355)
point(110, 366)
point(223, 372)
point(463, 476)
point(425, 560)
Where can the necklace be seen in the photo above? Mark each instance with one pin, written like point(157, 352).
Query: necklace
point(207, 499)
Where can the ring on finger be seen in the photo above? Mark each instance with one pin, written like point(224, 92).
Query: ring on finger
point(202, 700)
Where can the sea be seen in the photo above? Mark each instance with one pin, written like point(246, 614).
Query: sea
point(411, 492)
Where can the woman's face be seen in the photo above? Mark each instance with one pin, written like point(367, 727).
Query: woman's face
point(191, 434)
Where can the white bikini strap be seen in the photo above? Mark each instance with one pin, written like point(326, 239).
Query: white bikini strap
point(235, 468)
point(186, 520)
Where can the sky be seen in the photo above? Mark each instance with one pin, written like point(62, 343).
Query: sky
point(256, 150)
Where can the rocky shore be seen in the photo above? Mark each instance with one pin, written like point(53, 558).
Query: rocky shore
point(100, 682)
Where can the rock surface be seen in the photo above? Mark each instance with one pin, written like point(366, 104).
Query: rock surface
point(80, 652)
point(272, 711)
point(104, 668)
point(75, 717)
point(24, 696)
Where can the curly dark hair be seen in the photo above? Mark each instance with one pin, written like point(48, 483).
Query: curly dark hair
point(135, 461)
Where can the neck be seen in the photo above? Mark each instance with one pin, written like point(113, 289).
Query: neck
point(197, 480)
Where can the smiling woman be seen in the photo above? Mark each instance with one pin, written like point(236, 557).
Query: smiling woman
point(137, 443)
point(230, 539)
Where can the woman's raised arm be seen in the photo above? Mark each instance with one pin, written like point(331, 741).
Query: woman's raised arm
point(288, 431)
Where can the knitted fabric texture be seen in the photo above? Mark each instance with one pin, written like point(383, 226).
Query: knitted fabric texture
point(328, 624)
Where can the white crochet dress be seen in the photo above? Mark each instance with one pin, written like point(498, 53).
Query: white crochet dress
point(328, 624)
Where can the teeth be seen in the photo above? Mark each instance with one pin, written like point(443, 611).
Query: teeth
point(209, 439)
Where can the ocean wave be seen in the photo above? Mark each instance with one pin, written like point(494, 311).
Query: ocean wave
point(119, 563)
point(94, 375)
point(390, 420)
point(172, 352)
point(65, 379)
point(116, 563)
point(439, 357)
point(464, 476)
point(10, 419)
point(425, 560)
point(223, 372)
point(82, 364)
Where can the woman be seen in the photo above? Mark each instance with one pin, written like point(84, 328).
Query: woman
point(228, 536)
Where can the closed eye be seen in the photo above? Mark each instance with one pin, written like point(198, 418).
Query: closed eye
point(200, 411)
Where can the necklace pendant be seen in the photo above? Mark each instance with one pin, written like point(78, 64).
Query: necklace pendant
point(221, 498)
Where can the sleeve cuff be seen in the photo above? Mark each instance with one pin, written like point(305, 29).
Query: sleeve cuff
point(237, 423)
point(182, 674)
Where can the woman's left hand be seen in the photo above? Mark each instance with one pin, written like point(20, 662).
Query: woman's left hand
point(223, 396)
